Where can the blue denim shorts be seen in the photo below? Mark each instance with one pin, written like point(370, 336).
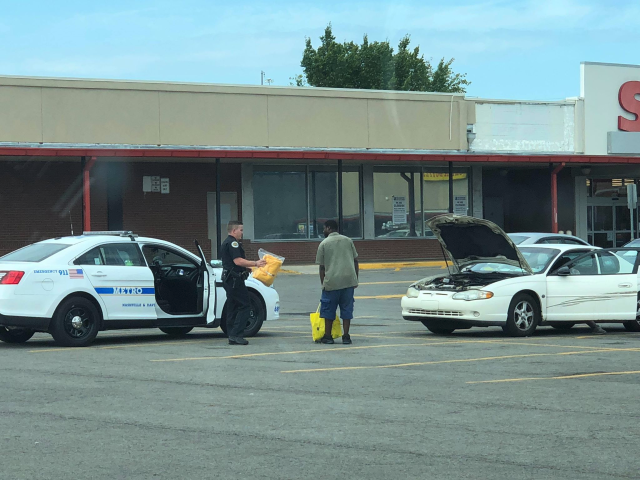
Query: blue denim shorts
point(330, 301)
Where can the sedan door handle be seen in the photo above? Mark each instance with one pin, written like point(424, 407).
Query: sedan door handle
point(624, 285)
point(99, 274)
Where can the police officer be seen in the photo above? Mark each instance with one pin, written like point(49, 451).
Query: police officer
point(235, 270)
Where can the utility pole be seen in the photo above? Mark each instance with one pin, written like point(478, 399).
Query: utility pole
point(262, 77)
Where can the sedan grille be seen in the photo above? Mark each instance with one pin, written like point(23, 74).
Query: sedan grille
point(436, 313)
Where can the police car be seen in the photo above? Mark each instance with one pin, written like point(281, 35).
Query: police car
point(73, 287)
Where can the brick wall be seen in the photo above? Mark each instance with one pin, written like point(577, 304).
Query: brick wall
point(297, 253)
point(99, 219)
point(181, 215)
point(37, 200)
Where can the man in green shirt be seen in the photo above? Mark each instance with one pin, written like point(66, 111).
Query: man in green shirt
point(339, 271)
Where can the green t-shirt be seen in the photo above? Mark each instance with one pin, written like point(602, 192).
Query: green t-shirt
point(337, 253)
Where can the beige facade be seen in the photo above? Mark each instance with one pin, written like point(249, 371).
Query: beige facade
point(59, 111)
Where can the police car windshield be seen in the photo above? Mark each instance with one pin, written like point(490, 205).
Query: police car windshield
point(34, 253)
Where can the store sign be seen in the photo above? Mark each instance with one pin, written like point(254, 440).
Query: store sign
point(439, 177)
point(611, 108)
point(399, 211)
point(630, 104)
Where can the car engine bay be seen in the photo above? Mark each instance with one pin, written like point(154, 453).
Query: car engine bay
point(461, 281)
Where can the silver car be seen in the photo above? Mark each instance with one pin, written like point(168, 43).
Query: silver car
point(530, 238)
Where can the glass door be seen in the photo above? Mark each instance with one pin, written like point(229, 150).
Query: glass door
point(608, 217)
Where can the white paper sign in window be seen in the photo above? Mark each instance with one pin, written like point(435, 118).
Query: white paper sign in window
point(399, 210)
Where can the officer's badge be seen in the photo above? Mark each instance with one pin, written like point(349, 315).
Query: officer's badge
point(235, 244)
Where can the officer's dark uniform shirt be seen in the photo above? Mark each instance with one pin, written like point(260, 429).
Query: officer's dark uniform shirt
point(229, 251)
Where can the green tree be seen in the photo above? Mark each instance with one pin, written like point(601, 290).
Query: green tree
point(374, 65)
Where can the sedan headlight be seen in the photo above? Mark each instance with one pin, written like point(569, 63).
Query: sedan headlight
point(413, 292)
point(473, 295)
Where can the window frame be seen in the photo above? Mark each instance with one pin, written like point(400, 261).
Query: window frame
point(307, 169)
point(195, 261)
point(597, 252)
point(105, 264)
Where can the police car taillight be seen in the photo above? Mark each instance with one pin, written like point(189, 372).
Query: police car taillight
point(12, 277)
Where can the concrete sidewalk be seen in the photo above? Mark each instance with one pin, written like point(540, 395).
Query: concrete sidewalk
point(313, 269)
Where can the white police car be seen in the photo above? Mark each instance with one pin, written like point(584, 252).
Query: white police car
point(73, 287)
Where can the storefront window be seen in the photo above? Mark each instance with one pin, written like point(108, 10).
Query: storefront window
point(436, 194)
point(323, 186)
point(432, 185)
point(280, 204)
point(397, 204)
point(285, 197)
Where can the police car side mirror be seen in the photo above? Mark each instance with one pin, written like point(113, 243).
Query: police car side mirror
point(216, 263)
point(563, 271)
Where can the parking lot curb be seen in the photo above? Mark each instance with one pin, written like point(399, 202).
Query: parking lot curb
point(313, 269)
point(400, 265)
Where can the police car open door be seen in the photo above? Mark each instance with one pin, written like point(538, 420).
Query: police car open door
point(182, 286)
point(208, 289)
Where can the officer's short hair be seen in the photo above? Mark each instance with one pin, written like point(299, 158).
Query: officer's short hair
point(232, 225)
point(332, 224)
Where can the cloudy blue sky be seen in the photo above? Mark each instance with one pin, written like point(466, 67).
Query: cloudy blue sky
point(519, 49)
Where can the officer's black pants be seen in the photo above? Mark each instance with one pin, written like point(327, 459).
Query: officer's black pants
point(238, 307)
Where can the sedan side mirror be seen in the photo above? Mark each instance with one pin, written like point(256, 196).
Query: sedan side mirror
point(563, 271)
point(216, 263)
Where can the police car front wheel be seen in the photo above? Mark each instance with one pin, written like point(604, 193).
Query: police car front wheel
point(75, 323)
point(256, 319)
point(15, 335)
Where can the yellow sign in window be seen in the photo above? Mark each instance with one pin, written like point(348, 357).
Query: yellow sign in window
point(439, 177)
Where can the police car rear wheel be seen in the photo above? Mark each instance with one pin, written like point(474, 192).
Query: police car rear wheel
point(176, 331)
point(15, 335)
point(75, 323)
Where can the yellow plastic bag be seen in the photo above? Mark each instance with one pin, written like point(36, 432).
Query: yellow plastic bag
point(267, 274)
point(317, 326)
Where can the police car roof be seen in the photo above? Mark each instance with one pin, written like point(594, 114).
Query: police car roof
point(73, 240)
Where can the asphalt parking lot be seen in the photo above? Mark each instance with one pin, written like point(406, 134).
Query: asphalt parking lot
point(398, 403)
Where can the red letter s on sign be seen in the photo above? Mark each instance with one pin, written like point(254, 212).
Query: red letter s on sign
point(627, 99)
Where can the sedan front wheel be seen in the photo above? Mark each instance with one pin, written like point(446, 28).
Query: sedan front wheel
point(523, 316)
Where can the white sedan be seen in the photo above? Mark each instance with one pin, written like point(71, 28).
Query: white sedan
point(73, 287)
point(492, 282)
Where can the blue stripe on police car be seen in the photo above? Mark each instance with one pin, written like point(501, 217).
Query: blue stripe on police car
point(125, 290)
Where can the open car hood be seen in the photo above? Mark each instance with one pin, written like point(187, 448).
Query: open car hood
point(468, 240)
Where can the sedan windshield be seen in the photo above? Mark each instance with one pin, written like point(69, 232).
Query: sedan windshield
point(537, 258)
point(34, 253)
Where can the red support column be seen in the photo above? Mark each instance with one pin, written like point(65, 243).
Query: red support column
point(86, 193)
point(554, 197)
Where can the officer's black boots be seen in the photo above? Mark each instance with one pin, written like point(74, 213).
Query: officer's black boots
point(237, 341)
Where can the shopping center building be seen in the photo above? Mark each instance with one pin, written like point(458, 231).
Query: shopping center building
point(168, 160)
